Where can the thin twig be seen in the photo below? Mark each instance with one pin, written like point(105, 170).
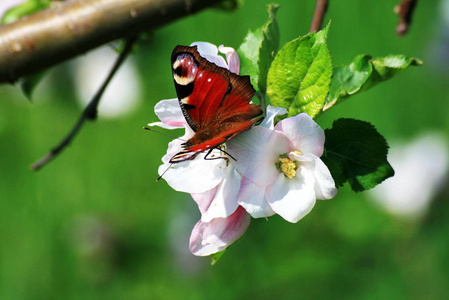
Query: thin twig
point(318, 15)
point(405, 12)
point(89, 113)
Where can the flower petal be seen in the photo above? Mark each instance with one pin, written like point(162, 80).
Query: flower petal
point(224, 202)
point(194, 176)
point(204, 199)
point(272, 112)
point(232, 57)
point(256, 151)
point(210, 52)
point(292, 198)
point(306, 135)
point(252, 199)
point(214, 236)
point(169, 112)
point(175, 146)
point(324, 183)
point(205, 48)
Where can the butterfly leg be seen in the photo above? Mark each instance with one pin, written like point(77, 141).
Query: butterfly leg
point(220, 157)
point(206, 157)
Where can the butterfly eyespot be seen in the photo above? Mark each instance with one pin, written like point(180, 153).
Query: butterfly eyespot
point(215, 102)
point(178, 71)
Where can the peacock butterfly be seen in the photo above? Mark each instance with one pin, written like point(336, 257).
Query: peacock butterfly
point(215, 102)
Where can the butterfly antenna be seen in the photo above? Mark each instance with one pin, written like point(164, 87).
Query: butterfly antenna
point(160, 132)
point(160, 177)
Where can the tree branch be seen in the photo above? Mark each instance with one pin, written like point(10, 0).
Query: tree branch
point(318, 15)
point(71, 28)
point(90, 112)
point(405, 11)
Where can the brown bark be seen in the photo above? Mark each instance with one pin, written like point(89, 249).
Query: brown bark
point(405, 11)
point(318, 15)
point(71, 28)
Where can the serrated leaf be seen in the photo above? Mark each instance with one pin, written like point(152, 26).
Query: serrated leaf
point(300, 75)
point(269, 47)
point(356, 153)
point(363, 73)
point(249, 55)
point(259, 49)
point(27, 8)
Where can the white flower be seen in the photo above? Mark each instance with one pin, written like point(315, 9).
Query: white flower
point(277, 170)
point(216, 235)
point(281, 168)
point(198, 175)
point(213, 184)
point(421, 167)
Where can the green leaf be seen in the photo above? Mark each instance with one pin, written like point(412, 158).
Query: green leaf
point(30, 82)
point(259, 49)
point(363, 73)
point(27, 8)
point(249, 55)
point(356, 153)
point(216, 256)
point(269, 47)
point(300, 75)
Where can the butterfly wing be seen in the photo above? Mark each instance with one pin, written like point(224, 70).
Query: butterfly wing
point(214, 101)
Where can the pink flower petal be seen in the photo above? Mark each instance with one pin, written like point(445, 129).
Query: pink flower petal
point(292, 198)
point(204, 199)
point(256, 151)
point(210, 52)
point(252, 199)
point(224, 202)
point(232, 58)
point(211, 237)
point(169, 112)
point(306, 135)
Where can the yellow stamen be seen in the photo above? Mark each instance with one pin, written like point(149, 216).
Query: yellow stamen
point(297, 152)
point(288, 167)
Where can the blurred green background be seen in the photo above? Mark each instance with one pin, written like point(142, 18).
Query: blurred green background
point(94, 224)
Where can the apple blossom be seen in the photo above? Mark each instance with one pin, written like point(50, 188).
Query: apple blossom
point(276, 170)
point(281, 169)
point(214, 236)
point(213, 184)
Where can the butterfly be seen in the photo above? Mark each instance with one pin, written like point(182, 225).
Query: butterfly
point(215, 102)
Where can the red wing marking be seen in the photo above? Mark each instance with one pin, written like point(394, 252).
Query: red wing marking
point(214, 101)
